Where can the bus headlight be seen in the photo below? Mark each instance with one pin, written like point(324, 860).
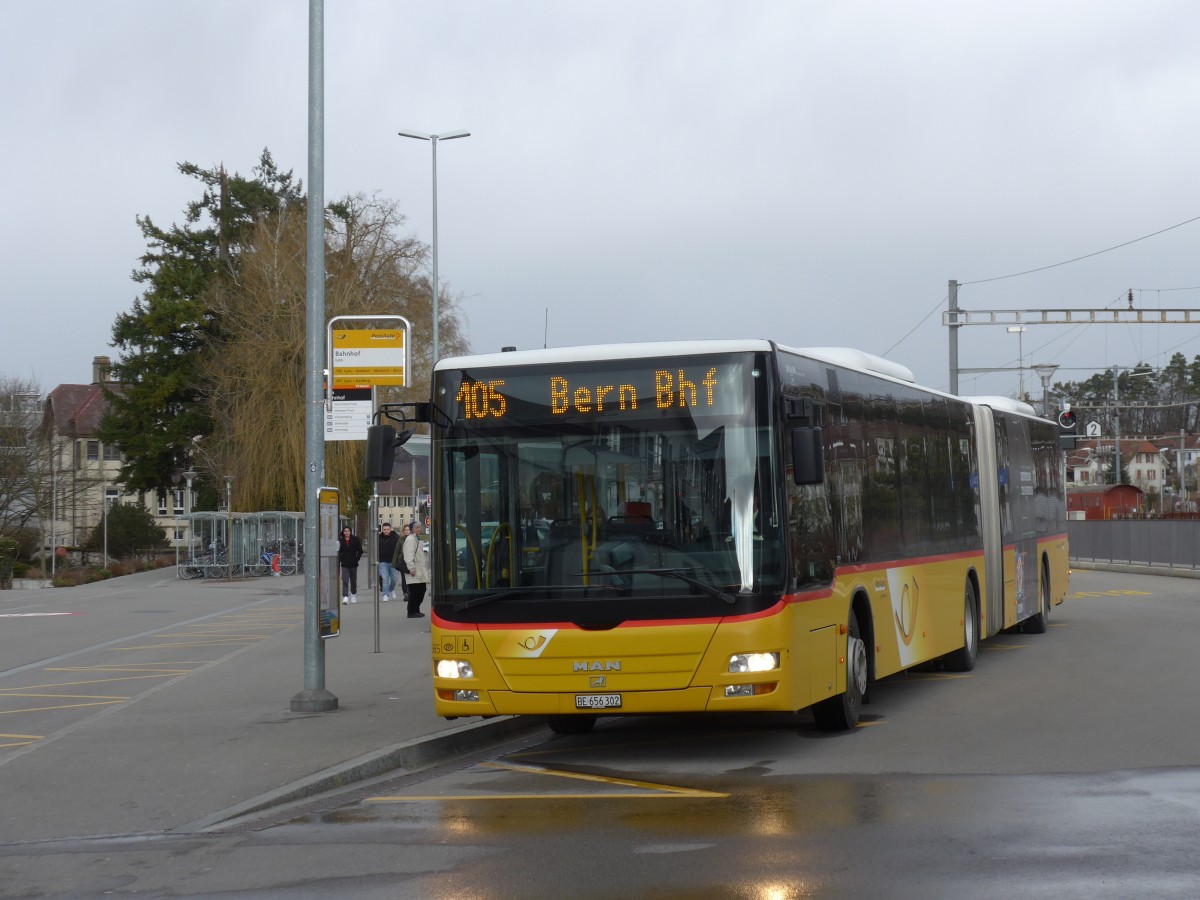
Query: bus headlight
point(454, 668)
point(753, 662)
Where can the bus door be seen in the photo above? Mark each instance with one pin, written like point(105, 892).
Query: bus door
point(1015, 478)
point(988, 478)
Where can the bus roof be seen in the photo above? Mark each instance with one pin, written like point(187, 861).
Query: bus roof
point(597, 352)
point(1005, 404)
point(845, 357)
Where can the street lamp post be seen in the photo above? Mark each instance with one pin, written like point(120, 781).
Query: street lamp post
point(105, 514)
point(1019, 331)
point(229, 525)
point(1045, 371)
point(433, 140)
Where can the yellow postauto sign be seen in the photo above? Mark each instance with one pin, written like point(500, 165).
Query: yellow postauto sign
point(368, 356)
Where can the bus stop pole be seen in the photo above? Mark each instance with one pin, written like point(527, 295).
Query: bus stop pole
point(314, 697)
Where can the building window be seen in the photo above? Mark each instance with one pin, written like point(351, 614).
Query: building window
point(93, 451)
point(112, 453)
point(178, 497)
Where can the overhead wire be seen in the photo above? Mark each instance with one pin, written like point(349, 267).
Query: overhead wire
point(1067, 262)
point(1144, 237)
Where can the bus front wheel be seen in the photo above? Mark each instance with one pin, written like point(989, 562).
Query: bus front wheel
point(571, 724)
point(841, 713)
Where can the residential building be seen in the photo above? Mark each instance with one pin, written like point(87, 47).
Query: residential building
point(1104, 501)
point(84, 469)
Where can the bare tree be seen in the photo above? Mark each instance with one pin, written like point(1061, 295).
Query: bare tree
point(257, 365)
point(20, 416)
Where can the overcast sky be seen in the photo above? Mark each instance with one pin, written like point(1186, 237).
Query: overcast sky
point(810, 172)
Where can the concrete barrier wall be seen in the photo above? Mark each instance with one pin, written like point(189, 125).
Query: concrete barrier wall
point(1165, 543)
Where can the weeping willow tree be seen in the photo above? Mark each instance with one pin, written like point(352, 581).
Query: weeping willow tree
point(255, 371)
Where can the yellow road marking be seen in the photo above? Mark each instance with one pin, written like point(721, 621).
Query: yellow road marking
point(96, 681)
point(435, 798)
point(147, 668)
point(183, 644)
point(31, 737)
point(17, 692)
point(1112, 593)
point(11, 712)
point(245, 624)
point(19, 743)
point(646, 789)
point(602, 779)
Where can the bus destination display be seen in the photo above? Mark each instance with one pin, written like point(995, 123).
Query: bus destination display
point(550, 396)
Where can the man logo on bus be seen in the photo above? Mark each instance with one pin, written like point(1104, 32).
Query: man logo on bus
point(906, 618)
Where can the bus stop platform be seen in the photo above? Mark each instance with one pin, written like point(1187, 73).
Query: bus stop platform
point(147, 704)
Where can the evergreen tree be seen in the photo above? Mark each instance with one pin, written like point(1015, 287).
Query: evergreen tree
point(131, 529)
point(157, 405)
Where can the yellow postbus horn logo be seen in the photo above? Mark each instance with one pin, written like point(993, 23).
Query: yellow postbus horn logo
point(906, 618)
point(533, 643)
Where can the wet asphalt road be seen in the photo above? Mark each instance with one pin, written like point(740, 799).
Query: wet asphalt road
point(1066, 764)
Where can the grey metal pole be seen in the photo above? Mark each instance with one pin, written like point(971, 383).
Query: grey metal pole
point(953, 308)
point(433, 245)
point(1116, 429)
point(187, 511)
point(1182, 489)
point(433, 140)
point(314, 697)
point(1021, 364)
point(373, 554)
point(229, 526)
point(53, 512)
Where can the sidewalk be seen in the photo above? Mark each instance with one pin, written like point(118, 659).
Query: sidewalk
point(221, 740)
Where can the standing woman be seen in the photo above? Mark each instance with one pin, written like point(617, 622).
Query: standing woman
point(350, 551)
point(417, 561)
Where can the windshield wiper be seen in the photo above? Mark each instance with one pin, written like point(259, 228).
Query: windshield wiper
point(484, 599)
point(711, 590)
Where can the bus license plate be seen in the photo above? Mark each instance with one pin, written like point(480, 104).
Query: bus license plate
point(597, 701)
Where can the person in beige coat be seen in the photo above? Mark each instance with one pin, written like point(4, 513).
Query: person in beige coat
point(417, 560)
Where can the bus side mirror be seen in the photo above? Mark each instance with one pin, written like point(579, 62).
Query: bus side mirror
point(808, 455)
point(381, 452)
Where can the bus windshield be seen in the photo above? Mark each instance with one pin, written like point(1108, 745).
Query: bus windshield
point(642, 482)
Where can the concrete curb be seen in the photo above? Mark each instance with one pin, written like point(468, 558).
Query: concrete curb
point(407, 757)
point(1135, 569)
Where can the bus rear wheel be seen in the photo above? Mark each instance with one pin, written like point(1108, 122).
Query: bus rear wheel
point(1039, 623)
point(841, 713)
point(571, 724)
point(963, 659)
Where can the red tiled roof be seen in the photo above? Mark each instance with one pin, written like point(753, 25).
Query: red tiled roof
point(76, 409)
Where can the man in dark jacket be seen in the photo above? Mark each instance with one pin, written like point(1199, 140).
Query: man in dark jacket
point(350, 551)
point(388, 541)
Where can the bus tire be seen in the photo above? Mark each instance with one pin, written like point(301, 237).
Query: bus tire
point(842, 712)
point(1038, 624)
point(571, 724)
point(963, 659)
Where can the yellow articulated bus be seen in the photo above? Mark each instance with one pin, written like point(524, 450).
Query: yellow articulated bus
point(724, 526)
